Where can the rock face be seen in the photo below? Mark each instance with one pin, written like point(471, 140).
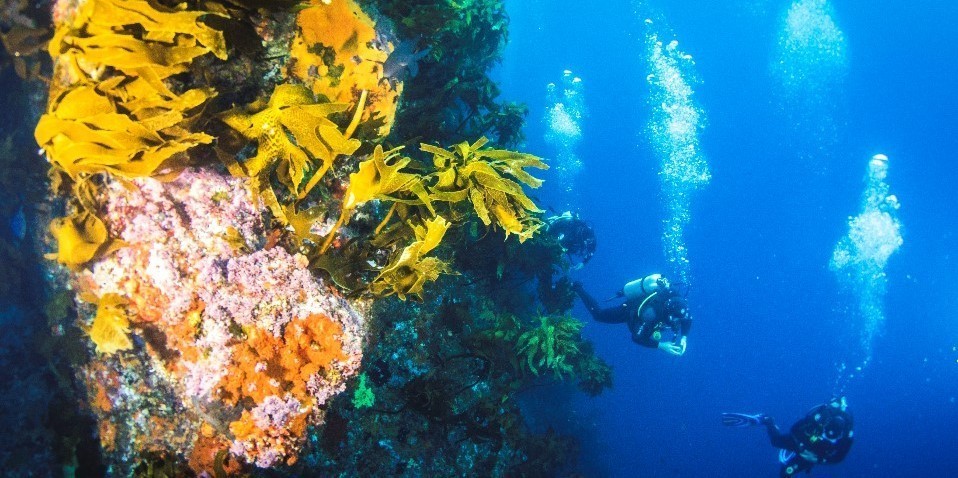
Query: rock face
point(235, 344)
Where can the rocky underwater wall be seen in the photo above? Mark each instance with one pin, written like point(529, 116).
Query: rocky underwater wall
point(284, 236)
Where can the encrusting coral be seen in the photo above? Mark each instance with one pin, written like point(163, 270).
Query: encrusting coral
point(227, 328)
point(293, 367)
point(337, 54)
point(217, 343)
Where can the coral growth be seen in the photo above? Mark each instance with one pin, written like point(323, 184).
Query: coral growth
point(299, 367)
point(337, 55)
point(224, 328)
point(221, 340)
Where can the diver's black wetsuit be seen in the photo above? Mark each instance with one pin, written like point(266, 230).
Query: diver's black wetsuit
point(628, 313)
point(805, 439)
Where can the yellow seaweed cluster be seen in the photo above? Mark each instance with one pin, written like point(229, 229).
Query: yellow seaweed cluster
point(80, 237)
point(335, 54)
point(137, 38)
point(110, 110)
point(111, 325)
point(410, 269)
point(490, 180)
point(122, 126)
point(294, 139)
point(379, 177)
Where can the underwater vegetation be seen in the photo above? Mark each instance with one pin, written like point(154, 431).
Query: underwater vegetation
point(452, 99)
point(23, 37)
point(237, 250)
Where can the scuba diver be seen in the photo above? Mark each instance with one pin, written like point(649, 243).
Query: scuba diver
point(657, 315)
point(823, 436)
point(574, 235)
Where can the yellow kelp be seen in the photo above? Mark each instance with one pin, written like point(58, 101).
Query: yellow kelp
point(117, 115)
point(483, 176)
point(80, 238)
point(334, 53)
point(409, 270)
point(378, 178)
point(136, 37)
point(291, 111)
point(122, 125)
point(111, 326)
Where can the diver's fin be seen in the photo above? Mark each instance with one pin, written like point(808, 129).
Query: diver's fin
point(741, 419)
point(785, 456)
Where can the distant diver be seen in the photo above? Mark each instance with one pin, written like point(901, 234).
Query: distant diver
point(823, 436)
point(656, 313)
point(574, 235)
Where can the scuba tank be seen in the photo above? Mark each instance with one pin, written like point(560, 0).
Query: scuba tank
point(640, 288)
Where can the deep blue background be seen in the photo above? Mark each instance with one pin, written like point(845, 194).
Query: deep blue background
point(771, 325)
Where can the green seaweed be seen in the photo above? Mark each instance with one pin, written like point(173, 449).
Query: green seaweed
point(551, 346)
point(363, 396)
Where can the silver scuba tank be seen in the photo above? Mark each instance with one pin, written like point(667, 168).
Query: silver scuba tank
point(640, 288)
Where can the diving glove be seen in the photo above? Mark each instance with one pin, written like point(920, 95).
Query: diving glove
point(674, 349)
point(677, 349)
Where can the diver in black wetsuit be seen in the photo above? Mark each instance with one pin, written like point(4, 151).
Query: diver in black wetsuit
point(823, 436)
point(656, 314)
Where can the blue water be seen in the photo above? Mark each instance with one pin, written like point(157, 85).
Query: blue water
point(771, 323)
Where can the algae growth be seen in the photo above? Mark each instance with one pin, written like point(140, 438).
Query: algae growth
point(239, 247)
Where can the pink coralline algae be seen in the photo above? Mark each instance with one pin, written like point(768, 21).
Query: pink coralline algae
point(242, 344)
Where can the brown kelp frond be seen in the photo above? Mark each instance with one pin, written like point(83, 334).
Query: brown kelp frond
point(410, 269)
point(122, 126)
point(379, 177)
point(294, 137)
point(111, 325)
point(81, 237)
point(491, 179)
point(115, 114)
point(136, 37)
